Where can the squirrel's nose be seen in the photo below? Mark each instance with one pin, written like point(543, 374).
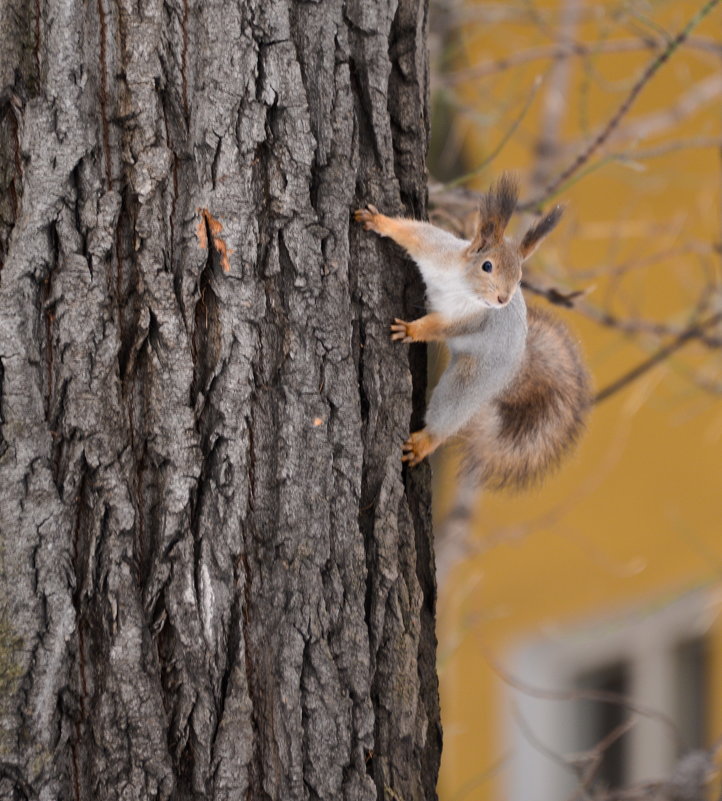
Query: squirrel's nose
point(502, 299)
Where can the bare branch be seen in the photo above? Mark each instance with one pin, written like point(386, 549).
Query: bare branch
point(663, 353)
point(553, 295)
point(571, 300)
point(656, 123)
point(610, 127)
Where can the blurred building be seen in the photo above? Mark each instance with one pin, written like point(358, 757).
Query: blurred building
point(605, 580)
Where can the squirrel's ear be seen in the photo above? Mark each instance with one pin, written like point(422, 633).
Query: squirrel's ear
point(539, 230)
point(495, 211)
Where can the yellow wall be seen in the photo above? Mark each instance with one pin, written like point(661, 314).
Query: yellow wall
point(635, 516)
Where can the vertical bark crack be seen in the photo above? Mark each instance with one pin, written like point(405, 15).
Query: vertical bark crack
point(36, 49)
point(103, 94)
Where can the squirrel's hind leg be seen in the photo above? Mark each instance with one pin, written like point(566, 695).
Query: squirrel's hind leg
point(456, 399)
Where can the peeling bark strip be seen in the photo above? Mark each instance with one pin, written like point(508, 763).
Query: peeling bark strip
point(216, 581)
point(209, 226)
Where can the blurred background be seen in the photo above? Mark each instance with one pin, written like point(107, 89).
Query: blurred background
point(580, 641)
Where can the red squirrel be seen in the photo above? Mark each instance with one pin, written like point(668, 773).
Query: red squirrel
point(516, 390)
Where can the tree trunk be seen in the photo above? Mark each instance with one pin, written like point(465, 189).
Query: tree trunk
point(217, 581)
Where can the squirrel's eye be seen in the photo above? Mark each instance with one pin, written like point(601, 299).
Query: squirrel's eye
point(487, 266)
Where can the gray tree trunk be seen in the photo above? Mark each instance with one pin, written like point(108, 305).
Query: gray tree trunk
point(217, 581)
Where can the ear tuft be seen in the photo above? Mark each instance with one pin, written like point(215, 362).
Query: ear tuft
point(500, 201)
point(539, 230)
point(495, 210)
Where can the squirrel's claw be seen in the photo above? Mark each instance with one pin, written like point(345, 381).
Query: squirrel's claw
point(367, 217)
point(417, 447)
point(401, 331)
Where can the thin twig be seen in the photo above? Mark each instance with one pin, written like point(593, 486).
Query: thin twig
point(662, 354)
point(647, 259)
point(595, 754)
point(504, 139)
point(544, 749)
point(609, 128)
point(569, 50)
point(572, 300)
point(601, 696)
point(692, 143)
point(645, 327)
point(656, 123)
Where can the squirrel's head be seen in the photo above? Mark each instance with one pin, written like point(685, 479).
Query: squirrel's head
point(493, 262)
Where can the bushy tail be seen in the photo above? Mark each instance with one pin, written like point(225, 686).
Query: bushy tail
point(526, 431)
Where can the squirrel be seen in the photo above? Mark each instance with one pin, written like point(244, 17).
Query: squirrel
point(516, 389)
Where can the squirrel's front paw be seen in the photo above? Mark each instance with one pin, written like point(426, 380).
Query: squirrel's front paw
point(401, 331)
point(418, 446)
point(368, 218)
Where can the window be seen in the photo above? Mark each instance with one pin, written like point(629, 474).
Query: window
point(693, 677)
point(657, 658)
point(595, 721)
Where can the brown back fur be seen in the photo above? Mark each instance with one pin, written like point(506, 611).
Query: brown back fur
point(527, 429)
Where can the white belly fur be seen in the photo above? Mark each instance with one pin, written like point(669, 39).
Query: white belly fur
point(448, 292)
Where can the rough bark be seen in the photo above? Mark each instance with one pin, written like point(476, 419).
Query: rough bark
point(217, 581)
